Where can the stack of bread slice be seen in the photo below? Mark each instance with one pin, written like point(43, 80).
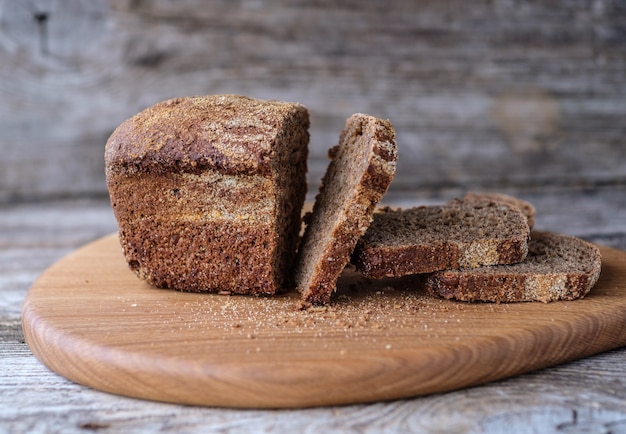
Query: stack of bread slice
point(480, 248)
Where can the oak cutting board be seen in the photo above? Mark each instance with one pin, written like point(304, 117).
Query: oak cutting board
point(91, 320)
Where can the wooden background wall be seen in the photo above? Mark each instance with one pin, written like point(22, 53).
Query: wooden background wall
point(489, 94)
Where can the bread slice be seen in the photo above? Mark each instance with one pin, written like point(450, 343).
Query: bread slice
point(526, 207)
point(459, 234)
point(558, 267)
point(208, 192)
point(362, 166)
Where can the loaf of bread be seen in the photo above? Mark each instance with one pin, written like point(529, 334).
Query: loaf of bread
point(460, 234)
point(558, 267)
point(208, 192)
point(526, 207)
point(362, 166)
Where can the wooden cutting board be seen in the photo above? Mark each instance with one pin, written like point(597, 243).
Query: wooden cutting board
point(91, 320)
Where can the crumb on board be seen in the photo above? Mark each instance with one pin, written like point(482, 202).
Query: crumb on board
point(369, 313)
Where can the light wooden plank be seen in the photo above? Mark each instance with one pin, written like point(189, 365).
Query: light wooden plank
point(90, 319)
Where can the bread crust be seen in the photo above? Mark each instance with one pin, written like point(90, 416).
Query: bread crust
point(558, 267)
point(432, 238)
point(231, 134)
point(336, 223)
point(208, 191)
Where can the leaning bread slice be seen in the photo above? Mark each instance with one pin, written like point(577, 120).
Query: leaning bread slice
point(459, 234)
point(558, 267)
point(526, 207)
point(361, 168)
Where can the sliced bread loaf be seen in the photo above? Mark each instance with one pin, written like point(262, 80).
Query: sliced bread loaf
point(361, 168)
point(558, 267)
point(460, 234)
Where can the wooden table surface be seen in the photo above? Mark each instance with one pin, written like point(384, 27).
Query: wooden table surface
point(517, 94)
point(587, 395)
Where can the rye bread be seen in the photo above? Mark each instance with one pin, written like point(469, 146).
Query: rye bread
point(362, 166)
point(208, 192)
point(558, 267)
point(460, 234)
point(526, 207)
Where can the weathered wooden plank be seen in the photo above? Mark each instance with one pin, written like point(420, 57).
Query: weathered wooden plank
point(583, 396)
point(496, 94)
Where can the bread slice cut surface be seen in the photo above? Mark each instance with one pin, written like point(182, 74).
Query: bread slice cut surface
point(459, 234)
point(526, 207)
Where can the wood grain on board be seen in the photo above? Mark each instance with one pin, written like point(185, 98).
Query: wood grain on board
point(91, 320)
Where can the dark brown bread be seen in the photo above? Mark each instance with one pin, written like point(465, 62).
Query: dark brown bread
point(526, 207)
point(208, 192)
point(460, 234)
point(362, 166)
point(558, 267)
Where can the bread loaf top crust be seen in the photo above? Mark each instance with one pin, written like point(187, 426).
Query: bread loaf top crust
point(229, 133)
